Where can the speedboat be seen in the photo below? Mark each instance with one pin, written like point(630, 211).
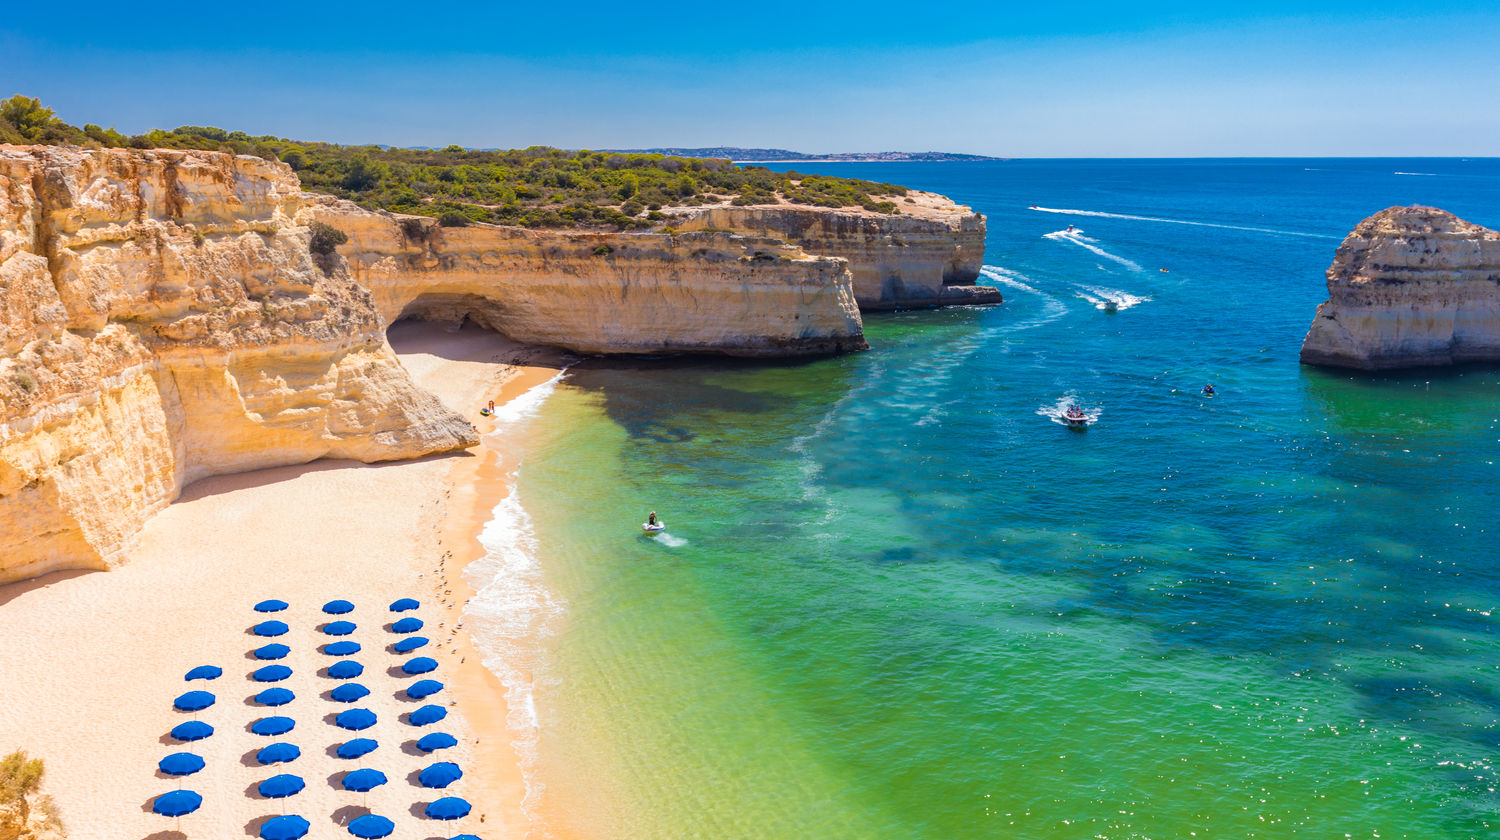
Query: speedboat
point(1111, 306)
point(652, 529)
point(1075, 418)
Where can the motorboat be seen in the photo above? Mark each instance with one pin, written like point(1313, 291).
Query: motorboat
point(653, 528)
point(1111, 306)
point(1075, 418)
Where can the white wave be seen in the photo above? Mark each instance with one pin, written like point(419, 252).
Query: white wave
point(1076, 237)
point(526, 404)
point(669, 541)
point(1101, 214)
point(1423, 174)
point(1100, 297)
point(1052, 308)
point(1055, 411)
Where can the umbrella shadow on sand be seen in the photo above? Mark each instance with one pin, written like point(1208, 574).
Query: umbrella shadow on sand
point(166, 835)
point(253, 827)
point(342, 816)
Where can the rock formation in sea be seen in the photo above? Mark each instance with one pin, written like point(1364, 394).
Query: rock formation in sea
point(1410, 287)
point(929, 255)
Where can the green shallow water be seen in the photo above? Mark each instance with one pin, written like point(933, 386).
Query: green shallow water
point(897, 600)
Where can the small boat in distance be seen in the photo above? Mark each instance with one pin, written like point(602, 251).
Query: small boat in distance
point(1111, 306)
point(1075, 418)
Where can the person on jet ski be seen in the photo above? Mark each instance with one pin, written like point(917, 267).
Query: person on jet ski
point(651, 520)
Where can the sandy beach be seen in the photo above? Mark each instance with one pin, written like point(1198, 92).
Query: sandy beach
point(92, 661)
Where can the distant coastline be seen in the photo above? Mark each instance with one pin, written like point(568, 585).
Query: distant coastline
point(742, 155)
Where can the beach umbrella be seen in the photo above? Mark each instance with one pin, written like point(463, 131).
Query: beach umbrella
point(349, 692)
point(371, 826)
point(338, 607)
point(273, 726)
point(355, 719)
point(278, 754)
point(440, 775)
point(338, 628)
point(205, 672)
point(270, 628)
point(180, 764)
point(275, 697)
point(423, 688)
point(282, 786)
point(448, 808)
point(357, 748)
point(419, 665)
point(427, 714)
point(341, 648)
point(433, 741)
point(274, 650)
point(407, 625)
point(176, 803)
point(272, 605)
point(271, 673)
point(362, 781)
point(193, 701)
point(465, 837)
point(291, 827)
point(345, 669)
point(404, 604)
point(193, 730)
point(409, 644)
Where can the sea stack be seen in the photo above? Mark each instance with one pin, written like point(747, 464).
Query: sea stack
point(1410, 287)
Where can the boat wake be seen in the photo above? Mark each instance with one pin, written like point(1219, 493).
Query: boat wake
point(1076, 237)
point(1102, 215)
point(1421, 174)
point(1100, 297)
point(1052, 308)
point(1055, 411)
point(668, 540)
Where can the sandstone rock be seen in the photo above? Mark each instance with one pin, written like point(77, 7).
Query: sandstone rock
point(1410, 287)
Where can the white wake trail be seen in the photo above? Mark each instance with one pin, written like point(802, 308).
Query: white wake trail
point(1077, 238)
point(1052, 308)
point(1102, 215)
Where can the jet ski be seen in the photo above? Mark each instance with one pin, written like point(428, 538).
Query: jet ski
point(657, 528)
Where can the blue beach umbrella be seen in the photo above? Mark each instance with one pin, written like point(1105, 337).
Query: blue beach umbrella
point(278, 754)
point(275, 650)
point(419, 665)
point(409, 644)
point(338, 628)
point(193, 701)
point(271, 673)
point(272, 605)
point(275, 697)
point(205, 672)
point(434, 741)
point(290, 827)
point(270, 628)
point(448, 808)
point(345, 669)
point(341, 648)
point(361, 781)
point(339, 607)
point(404, 604)
point(440, 775)
point(273, 726)
point(423, 688)
point(180, 764)
point(407, 625)
point(348, 693)
point(176, 803)
point(282, 786)
point(355, 719)
point(427, 714)
point(356, 748)
point(371, 826)
point(464, 837)
point(193, 730)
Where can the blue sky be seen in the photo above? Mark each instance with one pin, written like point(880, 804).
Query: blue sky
point(1073, 79)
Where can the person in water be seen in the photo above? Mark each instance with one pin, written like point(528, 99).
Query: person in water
point(1209, 389)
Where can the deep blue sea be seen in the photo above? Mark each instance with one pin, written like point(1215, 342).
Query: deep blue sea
point(899, 600)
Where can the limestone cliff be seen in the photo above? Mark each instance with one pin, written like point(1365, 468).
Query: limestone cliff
point(929, 255)
point(164, 321)
point(603, 292)
point(1410, 287)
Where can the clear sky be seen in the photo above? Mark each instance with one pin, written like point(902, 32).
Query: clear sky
point(1139, 78)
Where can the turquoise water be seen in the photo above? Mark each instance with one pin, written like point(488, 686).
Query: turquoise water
point(897, 600)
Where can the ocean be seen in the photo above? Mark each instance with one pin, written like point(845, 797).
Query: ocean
point(897, 599)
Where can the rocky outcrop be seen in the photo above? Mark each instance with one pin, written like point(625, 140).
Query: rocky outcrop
point(164, 321)
point(708, 292)
point(1410, 287)
point(929, 255)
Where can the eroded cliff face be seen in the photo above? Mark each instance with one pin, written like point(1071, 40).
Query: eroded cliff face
point(603, 292)
point(163, 321)
point(1410, 287)
point(930, 255)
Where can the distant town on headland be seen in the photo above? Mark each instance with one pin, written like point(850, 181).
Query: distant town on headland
point(740, 155)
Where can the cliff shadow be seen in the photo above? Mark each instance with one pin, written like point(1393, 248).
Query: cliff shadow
point(11, 591)
point(216, 485)
point(467, 341)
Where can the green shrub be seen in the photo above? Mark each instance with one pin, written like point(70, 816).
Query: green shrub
point(325, 238)
point(453, 218)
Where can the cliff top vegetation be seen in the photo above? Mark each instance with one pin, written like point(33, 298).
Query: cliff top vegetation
point(535, 187)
